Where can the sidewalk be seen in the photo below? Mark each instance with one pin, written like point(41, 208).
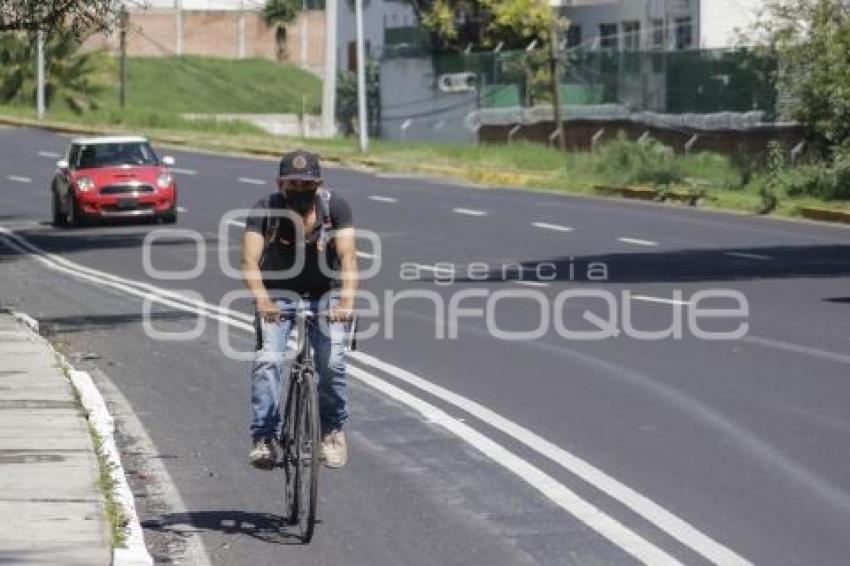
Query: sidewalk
point(51, 508)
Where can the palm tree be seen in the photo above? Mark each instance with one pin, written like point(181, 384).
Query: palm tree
point(277, 14)
point(68, 76)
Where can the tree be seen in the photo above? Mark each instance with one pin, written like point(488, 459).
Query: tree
point(812, 41)
point(68, 77)
point(485, 23)
point(74, 17)
point(277, 14)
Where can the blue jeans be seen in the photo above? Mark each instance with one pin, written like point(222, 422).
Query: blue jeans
point(270, 372)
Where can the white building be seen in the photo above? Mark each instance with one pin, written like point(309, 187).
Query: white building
point(634, 25)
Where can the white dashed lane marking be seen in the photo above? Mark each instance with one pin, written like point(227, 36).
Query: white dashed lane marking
point(749, 256)
point(532, 283)
point(180, 171)
point(469, 212)
point(660, 300)
point(378, 198)
point(50, 154)
point(637, 242)
point(19, 179)
point(554, 227)
point(251, 181)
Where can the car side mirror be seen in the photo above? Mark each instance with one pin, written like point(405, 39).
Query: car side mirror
point(62, 164)
point(168, 161)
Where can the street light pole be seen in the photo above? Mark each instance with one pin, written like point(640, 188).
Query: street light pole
point(554, 61)
point(329, 82)
point(122, 36)
point(39, 103)
point(362, 114)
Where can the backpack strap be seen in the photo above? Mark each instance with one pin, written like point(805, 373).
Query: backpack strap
point(327, 222)
point(271, 223)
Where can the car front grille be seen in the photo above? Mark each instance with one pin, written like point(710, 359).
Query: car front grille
point(125, 189)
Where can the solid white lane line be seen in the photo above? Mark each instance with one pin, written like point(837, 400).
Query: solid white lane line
point(181, 209)
point(559, 494)
point(251, 181)
point(749, 256)
point(797, 349)
point(50, 154)
point(532, 283)
point(637, 242)
point(638, 503)
point(659, 300)
point(378, 198)
point(649, 510)
point(555, 227)
point(19, 179)
point(181, 171)
point(469, 212)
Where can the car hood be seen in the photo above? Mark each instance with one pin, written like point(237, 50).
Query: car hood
point(120, 175)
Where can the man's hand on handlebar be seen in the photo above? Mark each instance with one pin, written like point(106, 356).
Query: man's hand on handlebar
point(268, 310)
point(341, 313)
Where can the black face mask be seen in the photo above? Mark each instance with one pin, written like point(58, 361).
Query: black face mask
point(300, 201)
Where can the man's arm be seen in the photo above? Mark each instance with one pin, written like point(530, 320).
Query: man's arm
point(252, 250)
point(346, 249)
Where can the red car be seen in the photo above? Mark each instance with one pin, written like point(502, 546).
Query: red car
point(112, 177)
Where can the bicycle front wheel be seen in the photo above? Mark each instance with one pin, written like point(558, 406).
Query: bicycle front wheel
point(309, 450)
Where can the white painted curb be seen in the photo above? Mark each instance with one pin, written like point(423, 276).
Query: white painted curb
point(134, 553)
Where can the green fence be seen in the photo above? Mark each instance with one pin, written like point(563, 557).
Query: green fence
point(693, 81)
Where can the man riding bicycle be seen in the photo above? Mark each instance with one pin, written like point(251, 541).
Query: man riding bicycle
point(302, 218)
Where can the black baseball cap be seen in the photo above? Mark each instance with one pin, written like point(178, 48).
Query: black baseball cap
point(300, 165)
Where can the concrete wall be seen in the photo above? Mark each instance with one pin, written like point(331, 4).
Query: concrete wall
point(221, 33)
point(715, 22)
point(579, 133)
point(409, 92)
point(722, 21)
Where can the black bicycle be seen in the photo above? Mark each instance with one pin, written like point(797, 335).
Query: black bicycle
point(299, 437)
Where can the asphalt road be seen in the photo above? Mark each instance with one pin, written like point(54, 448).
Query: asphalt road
point(480, 449)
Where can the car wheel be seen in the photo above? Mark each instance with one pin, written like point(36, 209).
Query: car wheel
point(169, 218)
point(59, 217)
point(76, 217)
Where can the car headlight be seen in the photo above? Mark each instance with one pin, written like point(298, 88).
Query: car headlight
point(164, 180)
point(85, 184)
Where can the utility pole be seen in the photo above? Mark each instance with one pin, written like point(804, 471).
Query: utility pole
point(122, 37)
point(362, 114)
point(304, 32)
point(554, 61)
point(329, 82)
point(178, 7)
point(39, 97)
point(240, 47)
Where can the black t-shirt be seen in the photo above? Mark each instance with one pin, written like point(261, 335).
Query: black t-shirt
point(279, 253)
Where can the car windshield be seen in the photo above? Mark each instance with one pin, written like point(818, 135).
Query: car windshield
point(112, 154)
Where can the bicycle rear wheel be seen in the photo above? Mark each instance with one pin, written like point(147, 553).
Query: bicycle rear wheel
point(309, 452)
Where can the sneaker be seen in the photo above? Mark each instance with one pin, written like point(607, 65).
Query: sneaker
point(264, 454)
point(335, 449)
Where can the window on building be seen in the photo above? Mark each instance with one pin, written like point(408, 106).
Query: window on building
point(631, 36)
point(684, 33)
point(657, 32)
point(609, 36)
point(574, 35)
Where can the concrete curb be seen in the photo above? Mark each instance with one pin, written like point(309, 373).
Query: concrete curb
point(135, 553)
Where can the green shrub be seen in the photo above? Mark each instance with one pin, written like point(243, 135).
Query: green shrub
point(647, 162)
